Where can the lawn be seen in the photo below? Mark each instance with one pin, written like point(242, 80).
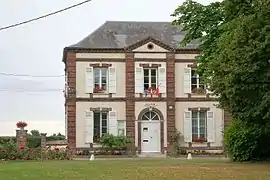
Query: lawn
point(171, 169)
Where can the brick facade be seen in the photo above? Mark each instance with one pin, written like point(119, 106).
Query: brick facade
point(170, 98)
point(130, 100)
point(71, 98)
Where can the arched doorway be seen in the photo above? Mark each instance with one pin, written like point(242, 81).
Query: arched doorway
point(150, 130)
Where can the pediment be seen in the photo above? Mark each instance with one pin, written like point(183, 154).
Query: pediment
point(150, 45)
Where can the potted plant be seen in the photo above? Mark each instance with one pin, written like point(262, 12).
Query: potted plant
point(21, 125)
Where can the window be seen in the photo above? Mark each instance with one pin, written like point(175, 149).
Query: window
point(150, 78)
point(199, 126)
point(196, 85)
point(100, 125)
point(100, 80)
point(121, 126)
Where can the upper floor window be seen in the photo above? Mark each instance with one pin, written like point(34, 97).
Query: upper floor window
point(196, 84)
point(150, 78)
point(100, 80)
point(146, 78)
point(192, 82)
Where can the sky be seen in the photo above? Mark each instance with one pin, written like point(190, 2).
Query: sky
point(36, 49)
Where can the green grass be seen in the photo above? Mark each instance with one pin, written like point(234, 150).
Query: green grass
point(171, 169)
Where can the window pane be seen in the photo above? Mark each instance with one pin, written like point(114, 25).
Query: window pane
point(193, 73)
point(96, 72)
point(146, 80)
point(153, 72)
point(193, 81)
point(96, 126)
point(104, 80)
point(104, 115)
point(146, 72)
point(195, 124)
point(153, 80)
point(104, 72)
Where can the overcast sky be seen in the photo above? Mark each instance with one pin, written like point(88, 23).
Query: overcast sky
point(36, 49)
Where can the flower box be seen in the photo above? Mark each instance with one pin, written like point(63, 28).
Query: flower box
point(199, 91)
point(99, 90)
point(199, 140)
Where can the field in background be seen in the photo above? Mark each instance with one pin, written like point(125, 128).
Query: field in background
point(171, 169)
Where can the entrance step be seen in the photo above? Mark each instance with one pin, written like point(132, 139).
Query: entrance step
point(151, 155)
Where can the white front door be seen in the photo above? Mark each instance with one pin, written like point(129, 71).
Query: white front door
point(150, 136)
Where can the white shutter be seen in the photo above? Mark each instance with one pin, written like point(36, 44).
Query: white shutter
point(113, 123)
point(89, 83)
point(162, 79)
point(187, 80)
point(112, 80)
point(187, 126)
point(210, 127)
point(88, 127)
point(139, 80)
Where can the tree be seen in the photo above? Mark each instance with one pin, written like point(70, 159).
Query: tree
point(234, 56)
point(35, 133)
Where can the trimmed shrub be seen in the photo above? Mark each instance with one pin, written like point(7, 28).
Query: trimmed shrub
point(246, 142)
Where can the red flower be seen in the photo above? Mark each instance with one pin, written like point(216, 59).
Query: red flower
point(199, 139)
point(21, 124)
point(21, 147)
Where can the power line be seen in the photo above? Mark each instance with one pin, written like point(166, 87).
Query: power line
point(28, 75)
point(41, 17)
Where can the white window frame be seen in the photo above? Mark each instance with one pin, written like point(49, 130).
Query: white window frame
point(198, 123)
point(100, 123)
point(121, 128)
point(197, 80)
point(150, 77)
point(100, 77)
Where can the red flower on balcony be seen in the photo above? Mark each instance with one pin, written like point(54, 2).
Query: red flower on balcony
point(21, 124)
point(99, 89)
point(199, 139)
point(21, 147)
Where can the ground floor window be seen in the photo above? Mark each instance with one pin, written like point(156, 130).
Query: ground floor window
point(199, 126)
point(100, 125)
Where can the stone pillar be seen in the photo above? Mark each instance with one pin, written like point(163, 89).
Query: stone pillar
point(21, 138)
point(43, 140)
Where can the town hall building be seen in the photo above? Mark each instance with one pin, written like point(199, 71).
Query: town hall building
point(134, 79)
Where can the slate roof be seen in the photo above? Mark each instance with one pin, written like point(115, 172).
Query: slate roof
point(121, 34)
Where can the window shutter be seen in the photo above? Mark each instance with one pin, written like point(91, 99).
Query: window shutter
point(162, 79)
point(112, 80)
point(210, 127)
point(187, 126)
point(88, 127)
point(187, 80)
point(113, 123)
point(139, 80)
point(89, 83)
